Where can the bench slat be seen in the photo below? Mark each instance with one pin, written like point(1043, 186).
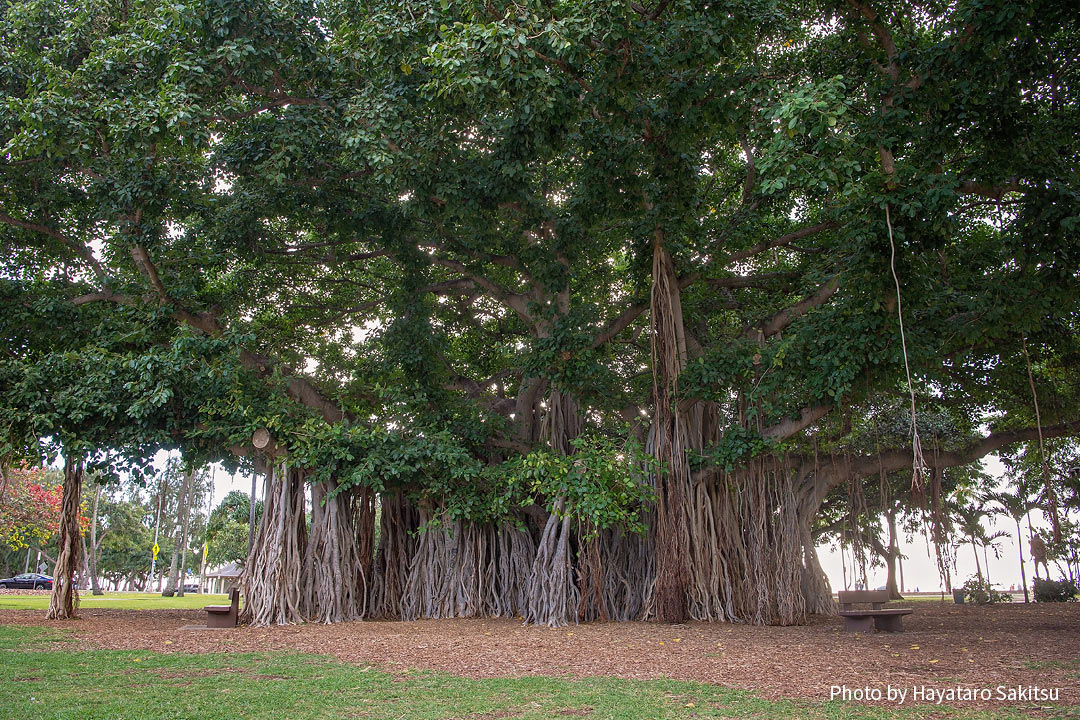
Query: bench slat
point(862, 596)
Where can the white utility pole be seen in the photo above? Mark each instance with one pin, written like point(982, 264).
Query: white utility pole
point(157, 526)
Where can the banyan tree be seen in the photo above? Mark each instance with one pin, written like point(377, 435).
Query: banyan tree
point(562, 311)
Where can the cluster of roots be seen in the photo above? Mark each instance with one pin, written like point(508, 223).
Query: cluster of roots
point(744, 542)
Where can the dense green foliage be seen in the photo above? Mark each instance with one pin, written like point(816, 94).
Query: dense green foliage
point(1054, 590)
point(227, 529)
point(424, 199)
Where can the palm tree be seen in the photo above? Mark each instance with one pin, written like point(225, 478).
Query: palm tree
point(1016, 503)
point(969, 523)
point(989, 540)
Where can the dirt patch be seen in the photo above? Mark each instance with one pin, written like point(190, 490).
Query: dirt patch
point(944, 645)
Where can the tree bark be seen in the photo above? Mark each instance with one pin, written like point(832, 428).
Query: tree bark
point(273, 573)
point(94, 546)
point(673, 475)
point(64, 600)
point(892, 556)
point(1020, 548)
point(185, 527)
point(335, 586)
point(178, 533)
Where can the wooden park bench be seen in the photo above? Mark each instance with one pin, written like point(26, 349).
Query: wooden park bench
point(224, 616)
point(862, 620)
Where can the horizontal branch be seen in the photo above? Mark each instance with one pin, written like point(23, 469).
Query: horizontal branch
point(78, 248)
point(620, 323)
point(298, 388)
point(990, 192)
point(516, 445)
point(782, 241)
point(735, 281)
point(838, 469)
point(517, 302)
point(789, 426)
point(781, 320)
point(106, 295)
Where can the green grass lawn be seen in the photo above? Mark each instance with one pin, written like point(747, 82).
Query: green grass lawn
point(45, 678)
point(124, 601)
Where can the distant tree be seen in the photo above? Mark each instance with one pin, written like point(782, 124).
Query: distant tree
point(227, 530)
point(29, 506)
point(126, 541)
point(969, 523)
point(1016, 502)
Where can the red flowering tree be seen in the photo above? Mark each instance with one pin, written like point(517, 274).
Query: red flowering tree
point(29, 507)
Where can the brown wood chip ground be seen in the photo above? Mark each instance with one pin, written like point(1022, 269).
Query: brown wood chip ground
point(943, 645)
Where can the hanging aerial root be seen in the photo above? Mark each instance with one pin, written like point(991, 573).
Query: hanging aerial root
point(273, 575)
point(918, 462)
point(396, 546)
point(334, 583)
point(553, 597)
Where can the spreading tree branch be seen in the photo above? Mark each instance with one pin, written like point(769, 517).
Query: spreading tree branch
point(781, 320)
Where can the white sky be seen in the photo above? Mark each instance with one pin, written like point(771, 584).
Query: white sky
point(920, 566)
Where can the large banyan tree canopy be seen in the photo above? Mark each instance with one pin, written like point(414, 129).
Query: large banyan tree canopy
point(601, 296)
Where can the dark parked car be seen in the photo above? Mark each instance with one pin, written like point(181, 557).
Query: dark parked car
point(28, 581)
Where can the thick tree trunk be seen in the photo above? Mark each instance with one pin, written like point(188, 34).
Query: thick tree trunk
point(396, 546)
point(335, 587)
point(673, 477)
point(272, 577)
point(817, 592)
point(553, 597)
point(891, 586)
point(362, 507)
point(816, 589)
point(451, 573)
point(65, 598)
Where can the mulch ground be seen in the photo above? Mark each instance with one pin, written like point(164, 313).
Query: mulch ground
point(943, 645)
